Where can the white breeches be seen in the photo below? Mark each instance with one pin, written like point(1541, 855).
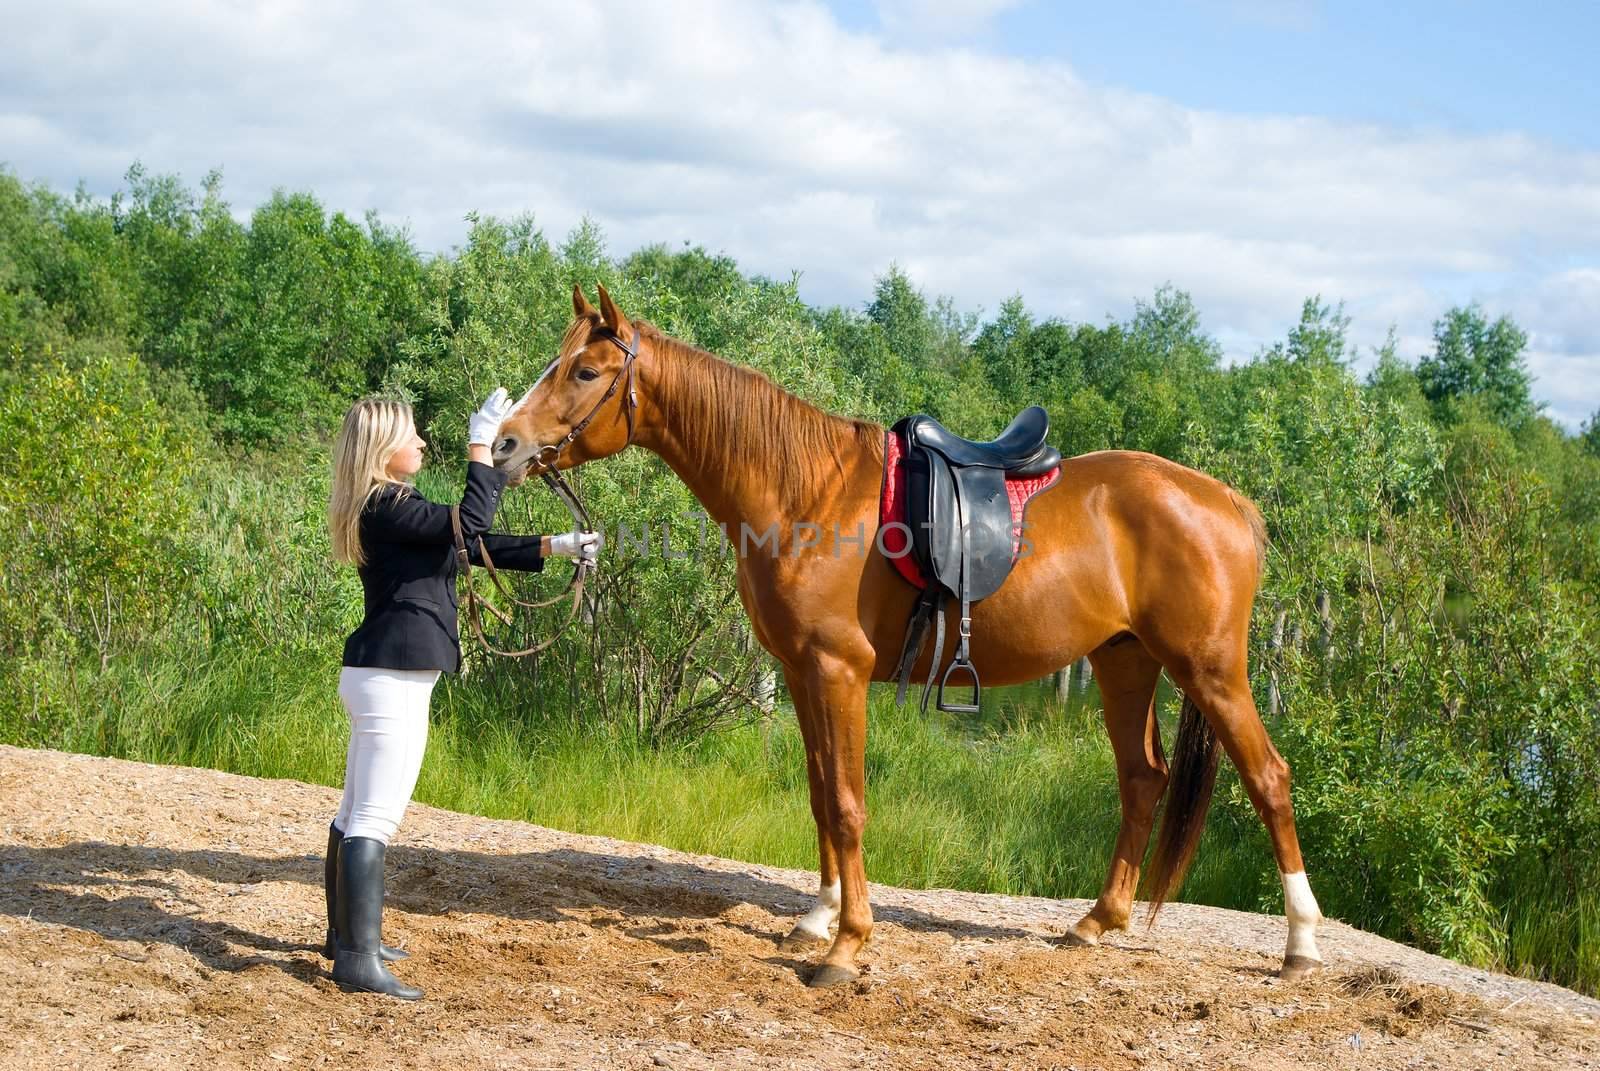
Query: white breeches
point(388, 711)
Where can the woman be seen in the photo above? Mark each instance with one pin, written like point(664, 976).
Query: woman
point(404, 549)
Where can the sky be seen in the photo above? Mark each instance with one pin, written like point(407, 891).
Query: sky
point(1398, 158)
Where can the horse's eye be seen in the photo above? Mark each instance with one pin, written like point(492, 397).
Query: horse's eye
point(587, 374)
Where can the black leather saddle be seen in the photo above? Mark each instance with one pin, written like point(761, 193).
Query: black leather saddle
point(1020, 449)
point(961, 528)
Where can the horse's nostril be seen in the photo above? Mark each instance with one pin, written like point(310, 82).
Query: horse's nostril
point(505, 446)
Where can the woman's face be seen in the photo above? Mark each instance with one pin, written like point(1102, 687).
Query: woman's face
point(407, 461)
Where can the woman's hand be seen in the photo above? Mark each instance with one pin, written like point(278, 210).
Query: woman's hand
point(484, 425)
point(584, 545)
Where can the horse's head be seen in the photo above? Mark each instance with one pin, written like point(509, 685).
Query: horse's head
point(583, 406)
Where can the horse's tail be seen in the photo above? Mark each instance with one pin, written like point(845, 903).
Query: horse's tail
point(1194, 775)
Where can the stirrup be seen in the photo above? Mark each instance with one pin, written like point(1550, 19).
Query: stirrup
point(959, 662)
point(962, 659)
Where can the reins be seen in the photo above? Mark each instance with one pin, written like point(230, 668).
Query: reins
point(580, 516)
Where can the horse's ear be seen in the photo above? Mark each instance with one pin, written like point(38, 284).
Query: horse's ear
point(610, 315)
point(580, 305)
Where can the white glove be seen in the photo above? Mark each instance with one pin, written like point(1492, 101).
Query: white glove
point(484, 425)
point(585, 545)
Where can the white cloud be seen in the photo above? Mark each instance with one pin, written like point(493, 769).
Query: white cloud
point(921, 19)
point(777, 136)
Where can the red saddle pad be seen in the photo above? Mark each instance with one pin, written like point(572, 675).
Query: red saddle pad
point(896, 542)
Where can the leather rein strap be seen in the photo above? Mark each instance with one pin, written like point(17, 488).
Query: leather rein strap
point(569, 498)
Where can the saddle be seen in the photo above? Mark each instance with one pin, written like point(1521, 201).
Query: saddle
point(963, 502)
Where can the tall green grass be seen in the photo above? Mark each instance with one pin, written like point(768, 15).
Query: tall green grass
point(1551, 939)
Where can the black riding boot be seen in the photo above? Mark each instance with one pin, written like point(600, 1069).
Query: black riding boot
point(359, 921)
point(330, 883)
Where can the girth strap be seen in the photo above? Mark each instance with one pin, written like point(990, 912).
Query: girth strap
point(966, 520)
point(916, 635)
point(938, 648)
point(930, 607)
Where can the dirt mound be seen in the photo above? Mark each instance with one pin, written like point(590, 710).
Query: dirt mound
point(158, 916)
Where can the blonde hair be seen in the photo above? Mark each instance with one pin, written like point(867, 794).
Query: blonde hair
point(373, 430)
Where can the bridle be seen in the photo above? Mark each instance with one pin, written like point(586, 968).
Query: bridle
point(569, 498)
point(629, 403)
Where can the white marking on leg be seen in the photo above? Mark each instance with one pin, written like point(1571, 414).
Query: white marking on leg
point(1300, 907)
point(815, 922)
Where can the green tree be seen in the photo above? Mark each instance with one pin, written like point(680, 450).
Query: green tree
point(1003, 348)
point(1320, 334)
point(187, 256)
point(1393, 380)
point(1589, 435)
point(1168, 336)
point(687, 285)
point(60, 259)
point(320, 305)
point(1473, 358)
point(901, 311)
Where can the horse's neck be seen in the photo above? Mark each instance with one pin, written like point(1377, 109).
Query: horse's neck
point(747, 486)
point(727, 497)
point(724, 488)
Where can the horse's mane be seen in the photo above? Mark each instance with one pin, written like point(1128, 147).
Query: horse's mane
point(731, 413)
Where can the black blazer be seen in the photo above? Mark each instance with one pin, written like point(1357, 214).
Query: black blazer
point(409, 581)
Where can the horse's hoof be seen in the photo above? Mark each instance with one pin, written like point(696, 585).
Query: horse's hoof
point(799, 940)
point(1079, 940)
point(1298, 967)
point(828, 975)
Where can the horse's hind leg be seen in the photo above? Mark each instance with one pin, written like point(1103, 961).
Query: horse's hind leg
point(1127, 675)
point(812, 927)
point(1223, 694)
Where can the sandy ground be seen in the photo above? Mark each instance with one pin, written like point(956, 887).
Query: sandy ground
point(156, 916)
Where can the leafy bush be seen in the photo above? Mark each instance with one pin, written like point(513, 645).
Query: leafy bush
point(1443, 744)
point(96, 496)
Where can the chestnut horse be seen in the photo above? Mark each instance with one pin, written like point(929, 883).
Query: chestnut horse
point(1138, 562)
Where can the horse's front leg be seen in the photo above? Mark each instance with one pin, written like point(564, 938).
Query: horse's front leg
point(838, 692)
point(812, 927)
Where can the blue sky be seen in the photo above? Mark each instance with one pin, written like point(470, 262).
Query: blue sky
point(1466, 66)
point(1399, 158)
